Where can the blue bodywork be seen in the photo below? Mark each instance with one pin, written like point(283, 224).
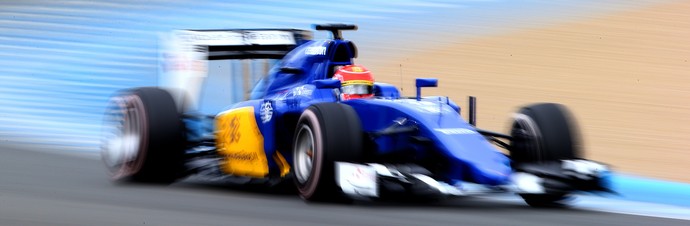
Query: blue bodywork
point(428, 130)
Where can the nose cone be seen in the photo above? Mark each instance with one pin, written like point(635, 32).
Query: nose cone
point(494, 172)
point(475, 159)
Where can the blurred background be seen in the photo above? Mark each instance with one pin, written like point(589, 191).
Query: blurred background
point(620, 66)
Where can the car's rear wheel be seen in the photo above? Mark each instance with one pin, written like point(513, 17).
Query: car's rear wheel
point(326, 133)
point(143, 137)
point(543, 133)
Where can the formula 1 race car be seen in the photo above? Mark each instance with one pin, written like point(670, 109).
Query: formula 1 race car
point(294, 126)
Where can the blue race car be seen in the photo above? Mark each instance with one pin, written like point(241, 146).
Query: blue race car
point(294, 126)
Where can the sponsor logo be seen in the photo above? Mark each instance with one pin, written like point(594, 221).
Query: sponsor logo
point(268, 37)
point(204, 37)
point(302, 91)
point(315, 50)
point(235, 37)
point(234, 130)
point(242, 156)
point(456, 131)
point(266, 112)
point(361, 178)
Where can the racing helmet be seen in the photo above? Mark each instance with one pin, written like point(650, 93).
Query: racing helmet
point(356, 82)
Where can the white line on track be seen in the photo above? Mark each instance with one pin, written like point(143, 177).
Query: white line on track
point(612, 205)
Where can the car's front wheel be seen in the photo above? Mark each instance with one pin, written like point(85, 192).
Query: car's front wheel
point(326, 133)
point(543, 133)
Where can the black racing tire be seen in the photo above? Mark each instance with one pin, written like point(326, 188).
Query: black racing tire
point(144, 140)
point(542, 133)
point(326, 133)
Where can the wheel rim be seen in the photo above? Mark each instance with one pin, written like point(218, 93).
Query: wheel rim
point(526, 127)
point(304, 154)
point(122, 138)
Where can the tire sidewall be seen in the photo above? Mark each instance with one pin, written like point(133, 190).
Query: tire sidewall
point(124, 103)
point(310, 118)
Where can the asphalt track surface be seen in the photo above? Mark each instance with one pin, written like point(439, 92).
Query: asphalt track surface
point(38, 188)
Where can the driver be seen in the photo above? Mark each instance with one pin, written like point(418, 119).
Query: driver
point(356, 82)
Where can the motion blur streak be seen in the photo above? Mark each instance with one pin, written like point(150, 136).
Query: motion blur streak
point(61, 60)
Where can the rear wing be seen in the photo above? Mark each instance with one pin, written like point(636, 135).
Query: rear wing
point(184, 55)
point(243, 43)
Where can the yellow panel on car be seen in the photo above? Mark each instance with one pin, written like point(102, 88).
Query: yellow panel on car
point(240, 143)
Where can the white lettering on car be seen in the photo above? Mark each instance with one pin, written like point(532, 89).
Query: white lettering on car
point(315, 50)
point(302, 91)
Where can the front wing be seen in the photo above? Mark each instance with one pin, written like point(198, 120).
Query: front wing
point(377, 181)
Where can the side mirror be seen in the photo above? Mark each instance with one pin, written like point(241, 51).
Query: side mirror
point(424, 82)
point(326, 83)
